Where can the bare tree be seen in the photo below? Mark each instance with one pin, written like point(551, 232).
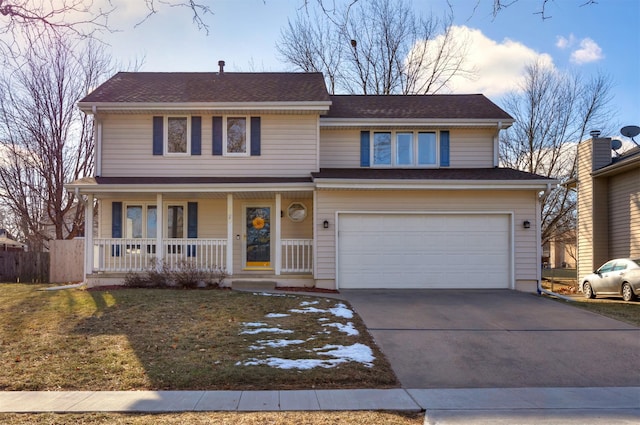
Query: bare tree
point(553, 112)
point(81, 18)
point(375, 47)
point(45, 140)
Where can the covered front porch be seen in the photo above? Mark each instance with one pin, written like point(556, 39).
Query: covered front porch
point(255, 231)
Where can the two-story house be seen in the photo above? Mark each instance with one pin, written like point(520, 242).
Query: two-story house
point(270, 177)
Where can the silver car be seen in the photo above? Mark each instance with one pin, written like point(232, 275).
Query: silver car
point(619, 277)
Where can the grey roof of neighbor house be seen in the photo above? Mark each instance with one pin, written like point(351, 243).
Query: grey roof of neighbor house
point(204, 87)
point(438, 106)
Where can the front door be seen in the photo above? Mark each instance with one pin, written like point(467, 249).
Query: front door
point(258, 239)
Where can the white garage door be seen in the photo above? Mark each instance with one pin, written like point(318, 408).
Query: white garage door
point(424, 251)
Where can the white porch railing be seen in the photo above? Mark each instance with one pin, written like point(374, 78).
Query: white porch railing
point(124, 255)
point(297, 255)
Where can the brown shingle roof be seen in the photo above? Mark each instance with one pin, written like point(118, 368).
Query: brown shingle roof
point(437, 106)
point(480, 174)
point(186, 87)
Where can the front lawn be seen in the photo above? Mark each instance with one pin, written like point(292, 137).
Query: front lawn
point(222, 418)
point(614, 308)
point(159, 339)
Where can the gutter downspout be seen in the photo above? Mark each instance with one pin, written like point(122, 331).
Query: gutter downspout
point(541, 290)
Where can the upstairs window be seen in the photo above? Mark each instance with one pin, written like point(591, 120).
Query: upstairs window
point(404, 149)
point(236, 136)
point(177, 137)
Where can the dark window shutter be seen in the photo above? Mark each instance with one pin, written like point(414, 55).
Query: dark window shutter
point(196, 135)
point(365, 148)
point(217, 136)
point(255, 136)
point(116, 226)
point(158, 135)
point(444, 148)
point(192, 226)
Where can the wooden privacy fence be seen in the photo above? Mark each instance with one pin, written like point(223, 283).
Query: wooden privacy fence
point(26, 267)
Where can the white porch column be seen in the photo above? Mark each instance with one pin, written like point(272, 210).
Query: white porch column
point(229, 234)
point(159, 227)
point(88, 236)
point(315, 234)
point(278, 233)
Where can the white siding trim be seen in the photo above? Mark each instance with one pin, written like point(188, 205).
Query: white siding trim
point(510, 214)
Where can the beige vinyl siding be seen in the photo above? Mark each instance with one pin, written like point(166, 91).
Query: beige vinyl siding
point(469, 148)
point(521, 203)
point(624, 214)
point(288, 148)
point(585, 210)
point(339, 148)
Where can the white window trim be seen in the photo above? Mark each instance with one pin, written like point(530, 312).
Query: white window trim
point(166, 136)
point(145, 207)
point(165, 218)
point(394, 148)
point(225, 141)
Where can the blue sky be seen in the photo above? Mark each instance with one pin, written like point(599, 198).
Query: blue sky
point(601, 37)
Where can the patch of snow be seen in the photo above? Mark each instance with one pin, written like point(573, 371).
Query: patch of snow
point(307, 310)
point(261, 330)
point(306, 303)
point(341, 310)
point(276, 343)
point(357, 353)
point(348, 328)
point(267, 294)
point(276, 315)
point(253, 324)
point(322, 319)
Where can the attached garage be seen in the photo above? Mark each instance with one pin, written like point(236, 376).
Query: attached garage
point(439, 250)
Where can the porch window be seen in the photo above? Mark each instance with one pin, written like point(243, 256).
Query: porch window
point(141, 221)
point(175, 221)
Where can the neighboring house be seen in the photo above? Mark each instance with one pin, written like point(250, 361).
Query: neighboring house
point(608, 204)
point(270, 177)
point(7, 243)
point(560, 251)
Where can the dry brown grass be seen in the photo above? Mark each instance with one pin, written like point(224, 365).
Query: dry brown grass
point(153, 339)
point(614, 308)
point(281, 418)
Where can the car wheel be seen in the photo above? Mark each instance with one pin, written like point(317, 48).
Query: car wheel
point(627, 292)
point(587, 290)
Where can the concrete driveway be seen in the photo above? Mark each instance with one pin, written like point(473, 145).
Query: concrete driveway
point(496, 339)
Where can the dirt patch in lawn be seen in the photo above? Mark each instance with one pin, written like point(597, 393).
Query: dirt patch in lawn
point(159, 339)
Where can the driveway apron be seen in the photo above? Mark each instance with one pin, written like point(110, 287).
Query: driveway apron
point(496, 339)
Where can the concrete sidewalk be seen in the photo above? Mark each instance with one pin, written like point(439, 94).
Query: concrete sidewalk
point(623, 400)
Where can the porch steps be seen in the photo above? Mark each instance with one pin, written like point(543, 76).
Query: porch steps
point(259, 284)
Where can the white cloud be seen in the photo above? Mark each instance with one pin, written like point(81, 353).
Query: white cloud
point(563, 43)
point(589, 51)
point(499, 66)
